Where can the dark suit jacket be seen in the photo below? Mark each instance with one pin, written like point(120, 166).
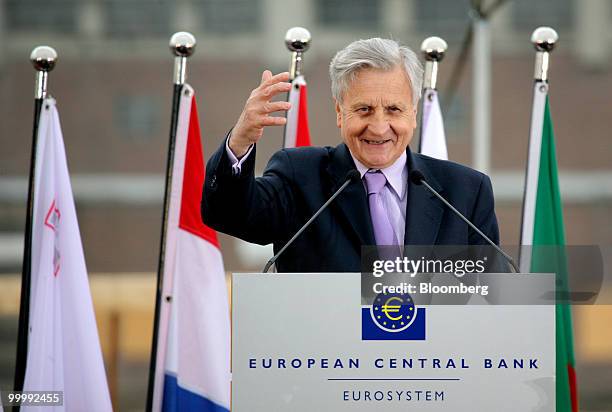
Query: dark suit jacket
point(296, 182)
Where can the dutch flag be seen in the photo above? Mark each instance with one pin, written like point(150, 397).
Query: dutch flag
point(193, 346)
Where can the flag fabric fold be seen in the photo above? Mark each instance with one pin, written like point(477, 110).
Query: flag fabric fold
point(297, 133)
point(63, 345)
point(542, 231)
point(433, 138)
point(193, 351)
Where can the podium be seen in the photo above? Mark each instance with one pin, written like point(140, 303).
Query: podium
point(299, 343)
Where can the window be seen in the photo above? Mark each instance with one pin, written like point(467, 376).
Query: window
point(138, 17)
point(530, 14)
point(137, 116)
point(230, 16)
point(349, 13)
point(44, 15)
point(442, 17)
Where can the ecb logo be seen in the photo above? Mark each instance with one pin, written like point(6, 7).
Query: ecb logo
point(393, 316)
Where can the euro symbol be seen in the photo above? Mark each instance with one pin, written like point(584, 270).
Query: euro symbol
point(387, 308)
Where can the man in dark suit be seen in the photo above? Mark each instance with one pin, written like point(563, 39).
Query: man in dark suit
point(376, 85)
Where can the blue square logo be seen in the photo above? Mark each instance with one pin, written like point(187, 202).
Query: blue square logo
point(393, 317)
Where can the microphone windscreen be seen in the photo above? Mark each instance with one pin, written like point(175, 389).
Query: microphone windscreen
point(417, 177)
point(353, 176)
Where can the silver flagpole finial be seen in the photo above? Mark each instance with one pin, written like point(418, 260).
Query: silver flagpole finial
point(43, 59)
point(182, 45)
point(544, 40)
point(433, 49)
point(297, 41)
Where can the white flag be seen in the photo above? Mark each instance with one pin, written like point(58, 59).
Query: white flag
point(433, 139)
point(63, 345)
point(193, 349)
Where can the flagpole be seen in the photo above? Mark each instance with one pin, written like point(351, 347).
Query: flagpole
point(433, 49)
point(544, 40)
point(481, 88)
point(182, 45)
point(297, 40)
point(43, 59)
point(542, 220)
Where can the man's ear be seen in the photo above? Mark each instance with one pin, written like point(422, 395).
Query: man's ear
point(338, 113)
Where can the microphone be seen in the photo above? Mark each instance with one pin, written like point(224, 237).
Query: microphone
point(418, 179)
point(352, 176)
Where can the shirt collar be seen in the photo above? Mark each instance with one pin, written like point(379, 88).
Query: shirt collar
point(396, 174)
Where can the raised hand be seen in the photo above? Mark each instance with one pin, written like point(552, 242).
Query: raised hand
point(257, 112)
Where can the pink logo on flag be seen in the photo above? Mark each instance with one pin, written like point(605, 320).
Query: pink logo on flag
point(52, 222)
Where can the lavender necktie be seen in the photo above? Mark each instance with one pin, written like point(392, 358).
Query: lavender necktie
point(383, 230)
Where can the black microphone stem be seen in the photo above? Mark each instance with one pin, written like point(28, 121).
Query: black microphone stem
point(470, 224)
point(299, 232)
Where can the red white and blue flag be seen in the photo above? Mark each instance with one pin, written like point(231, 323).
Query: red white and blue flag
point(296, 130)
point(193, 348)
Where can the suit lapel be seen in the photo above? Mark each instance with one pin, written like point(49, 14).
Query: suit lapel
point(423, 211)
point(352, 202)
point(423, 215)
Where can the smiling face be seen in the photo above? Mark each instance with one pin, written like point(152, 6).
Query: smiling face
point(376, 117)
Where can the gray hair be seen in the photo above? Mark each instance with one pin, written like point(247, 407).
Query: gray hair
point(375, 53)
